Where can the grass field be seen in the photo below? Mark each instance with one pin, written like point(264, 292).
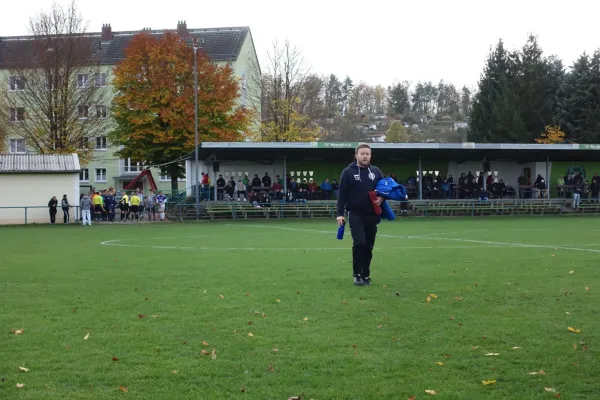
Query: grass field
point(275, 302)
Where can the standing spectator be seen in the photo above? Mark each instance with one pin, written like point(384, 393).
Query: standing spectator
point(595, 189)
point(578, 189)
point(205, 194)
point(256, 183)
point(52, 207)
point(312, 189)
point(65, 207)
point(335, 186)
point(86, 207)
point(266, 180)
point(220, 187)
point(241, 190)
point(98, 206)
point(161, 199)
point(110, 204)
point(151, 205)
point(246, 181)
point(326, 187)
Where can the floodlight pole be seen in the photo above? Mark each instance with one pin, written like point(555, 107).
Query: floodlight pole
point(196, 177)
point(420, 179)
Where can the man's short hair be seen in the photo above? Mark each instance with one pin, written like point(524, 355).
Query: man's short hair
point(362, 146)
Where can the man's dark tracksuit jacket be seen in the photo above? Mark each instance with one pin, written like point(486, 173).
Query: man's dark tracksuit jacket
point(355, 184)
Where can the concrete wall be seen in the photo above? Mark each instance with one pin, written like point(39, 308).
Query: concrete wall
point(34, 190)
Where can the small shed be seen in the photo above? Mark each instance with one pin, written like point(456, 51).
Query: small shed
point(28, 182)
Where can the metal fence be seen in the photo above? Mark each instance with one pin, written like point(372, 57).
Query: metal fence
point(23, 215)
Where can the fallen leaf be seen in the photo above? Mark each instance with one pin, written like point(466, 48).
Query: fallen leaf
point(587, 288)
point(174, 371)
point(433, 296)
point(18, 331)
point(566, 312)
point(489, 382)
point(204, 291)
point(428, 299)
point(574, 346)
point(73, 309)
point(571, 271)
point(23, 369)
point(295, 398)
point(242, 389)
point(235, 330)
point(492, 354)
point(305, 319)
point(204, 343)
point(344, 302)
point(460, 324)
point(431, 392)
point(146, 299)
point(541, 372)
point(397, 293)
point(297, 292)
point(385, 286)
point(278, 300)
point(20, 385)
point(412, 398)
point(86, 337)
point(221, 296)
point(573, 330)
point(516, 348)
point(355, 346)
point(250, 334)
point(115, 358)
point(140, 316)
point(552, 255)
point(204, 352)
point(123, 389)
point(557, 395)
point(379, 326)
point(441, 364)
point(214, 354)
point(185, 342)
point(264, 315)
point(270, 369)
point(275, 350)
point(394, 338)
point(247, 294)
point(549, 389)
point(458, 298)
point(474, 347)
point(451, 318)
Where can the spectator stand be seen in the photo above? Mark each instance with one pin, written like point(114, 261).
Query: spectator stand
point(297, 162)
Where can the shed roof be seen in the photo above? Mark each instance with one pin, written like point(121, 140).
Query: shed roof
point(39, 163)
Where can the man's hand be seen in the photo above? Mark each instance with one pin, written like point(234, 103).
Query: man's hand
point(341, 221)
point(379, 201)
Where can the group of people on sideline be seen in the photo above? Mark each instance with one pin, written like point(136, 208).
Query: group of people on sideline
point(101, 205)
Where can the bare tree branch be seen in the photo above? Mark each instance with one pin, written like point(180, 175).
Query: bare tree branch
point(57, 98)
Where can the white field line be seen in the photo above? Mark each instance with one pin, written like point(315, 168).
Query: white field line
point(115, 243)
point(486, 242)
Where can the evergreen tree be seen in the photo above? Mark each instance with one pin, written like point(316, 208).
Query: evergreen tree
point(399, 98)
point(494, 115)
point(576, 101)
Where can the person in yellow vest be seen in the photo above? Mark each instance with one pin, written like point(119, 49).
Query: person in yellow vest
point(124, 206)
point(98, 206)
point(135, 206)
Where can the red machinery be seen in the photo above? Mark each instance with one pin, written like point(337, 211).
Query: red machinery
point(144, 174)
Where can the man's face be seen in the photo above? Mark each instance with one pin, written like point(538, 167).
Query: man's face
point(363, 157)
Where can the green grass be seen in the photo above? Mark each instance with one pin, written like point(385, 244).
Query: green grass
point(380, 342)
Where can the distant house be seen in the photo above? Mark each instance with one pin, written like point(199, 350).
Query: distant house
point(460, 125)
point(377, 137)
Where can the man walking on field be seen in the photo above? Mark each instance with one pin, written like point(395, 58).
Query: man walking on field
point(356, 181)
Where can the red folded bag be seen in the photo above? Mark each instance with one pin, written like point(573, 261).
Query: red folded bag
point(373, 197)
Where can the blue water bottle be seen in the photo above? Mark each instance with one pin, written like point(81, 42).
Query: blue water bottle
point(340, 234)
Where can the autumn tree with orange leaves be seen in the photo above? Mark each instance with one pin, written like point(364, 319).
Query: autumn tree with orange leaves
point(154, 103)
point(552, 135)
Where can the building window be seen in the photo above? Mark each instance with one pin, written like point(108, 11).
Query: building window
point(101, 80)
point(100, 143)
point(17, 114)
point(100, 174)
point(82, 81)
point(133, 166)
point(167, 178)
point(84, 175)
point(16, 83)
point(101, 112)
point(83, 112)
point(17, 146)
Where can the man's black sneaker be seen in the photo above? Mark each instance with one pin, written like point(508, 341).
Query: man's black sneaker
point(366, 281)
point(358, 281)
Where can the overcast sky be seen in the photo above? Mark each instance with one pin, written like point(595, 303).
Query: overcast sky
point(375, 41)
